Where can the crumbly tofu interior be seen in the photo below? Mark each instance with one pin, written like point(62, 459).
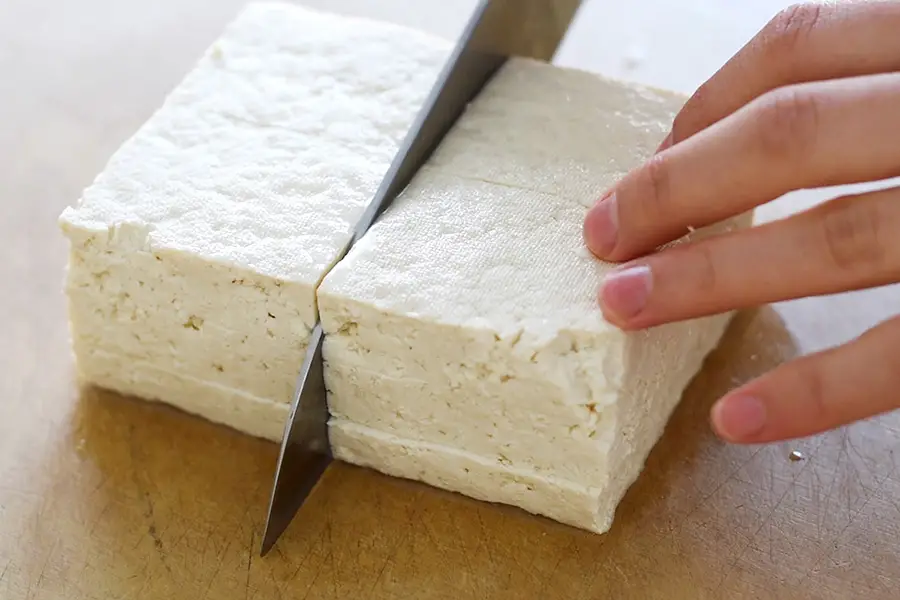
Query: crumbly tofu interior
point(195, 255)
point(464, 347)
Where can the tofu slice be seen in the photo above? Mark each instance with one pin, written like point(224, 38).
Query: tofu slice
point(464, 344)
point(195, 255)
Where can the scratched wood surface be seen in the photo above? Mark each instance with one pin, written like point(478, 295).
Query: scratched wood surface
point(103, 497)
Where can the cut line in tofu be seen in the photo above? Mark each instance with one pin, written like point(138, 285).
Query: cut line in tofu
point(464, 347)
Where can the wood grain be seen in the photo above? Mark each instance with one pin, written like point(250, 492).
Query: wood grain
point(104, 497)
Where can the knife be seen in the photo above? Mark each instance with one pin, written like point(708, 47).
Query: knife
point(497, 30)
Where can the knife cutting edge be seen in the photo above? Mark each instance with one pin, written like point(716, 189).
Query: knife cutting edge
point(497, 30)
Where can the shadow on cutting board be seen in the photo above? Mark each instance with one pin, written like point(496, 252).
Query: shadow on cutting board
point(172, 506)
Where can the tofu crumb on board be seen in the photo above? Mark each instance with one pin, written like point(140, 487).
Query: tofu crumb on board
point(464, 347)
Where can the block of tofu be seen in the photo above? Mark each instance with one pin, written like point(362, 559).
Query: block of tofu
point(195, 255)
point(464, 346)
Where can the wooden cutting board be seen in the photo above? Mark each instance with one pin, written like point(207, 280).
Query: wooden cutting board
point(103, 497)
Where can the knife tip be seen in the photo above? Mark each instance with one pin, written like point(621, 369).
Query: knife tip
point(267, 543)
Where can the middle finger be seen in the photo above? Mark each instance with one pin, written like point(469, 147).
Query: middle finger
point(848, 243)
point(810, 135)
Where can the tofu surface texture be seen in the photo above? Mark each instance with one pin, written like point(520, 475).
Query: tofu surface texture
point(464, 347)
point(195, 255)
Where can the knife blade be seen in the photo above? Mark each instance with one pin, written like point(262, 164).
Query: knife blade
point(497, 30)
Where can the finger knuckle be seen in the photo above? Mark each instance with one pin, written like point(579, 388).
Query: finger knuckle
point(850, 234)
point(787, 123)
point(892, 330)
point(656, 194)
point(886, 336)
point(812, 379)
point(791, 28)
point(706, 280)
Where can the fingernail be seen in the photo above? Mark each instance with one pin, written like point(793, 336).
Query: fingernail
point(624, 292)
point(665, 143)
point(739, 418)
point(601, 226)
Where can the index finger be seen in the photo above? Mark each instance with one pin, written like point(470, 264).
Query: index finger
point(803, 43)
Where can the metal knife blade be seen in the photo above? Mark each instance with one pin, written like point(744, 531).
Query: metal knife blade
point(497, 30)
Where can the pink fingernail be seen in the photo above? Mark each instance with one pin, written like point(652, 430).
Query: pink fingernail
point(624, 292)
point(601, 226)
point(739, 418)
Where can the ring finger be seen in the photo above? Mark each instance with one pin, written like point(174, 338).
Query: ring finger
point(817, 392)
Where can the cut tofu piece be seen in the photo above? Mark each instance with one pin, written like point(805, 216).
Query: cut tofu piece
point(464, 346)
point(195, 255)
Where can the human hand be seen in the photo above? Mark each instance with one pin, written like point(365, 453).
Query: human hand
point(813, 100)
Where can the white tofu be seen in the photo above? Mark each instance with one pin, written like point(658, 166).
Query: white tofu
point(196, 254)
point(464, 344)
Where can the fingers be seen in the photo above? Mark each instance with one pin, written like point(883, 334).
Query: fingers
point(807, 42)
point(845, 244)
point(817, 134)
point(817, 392)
